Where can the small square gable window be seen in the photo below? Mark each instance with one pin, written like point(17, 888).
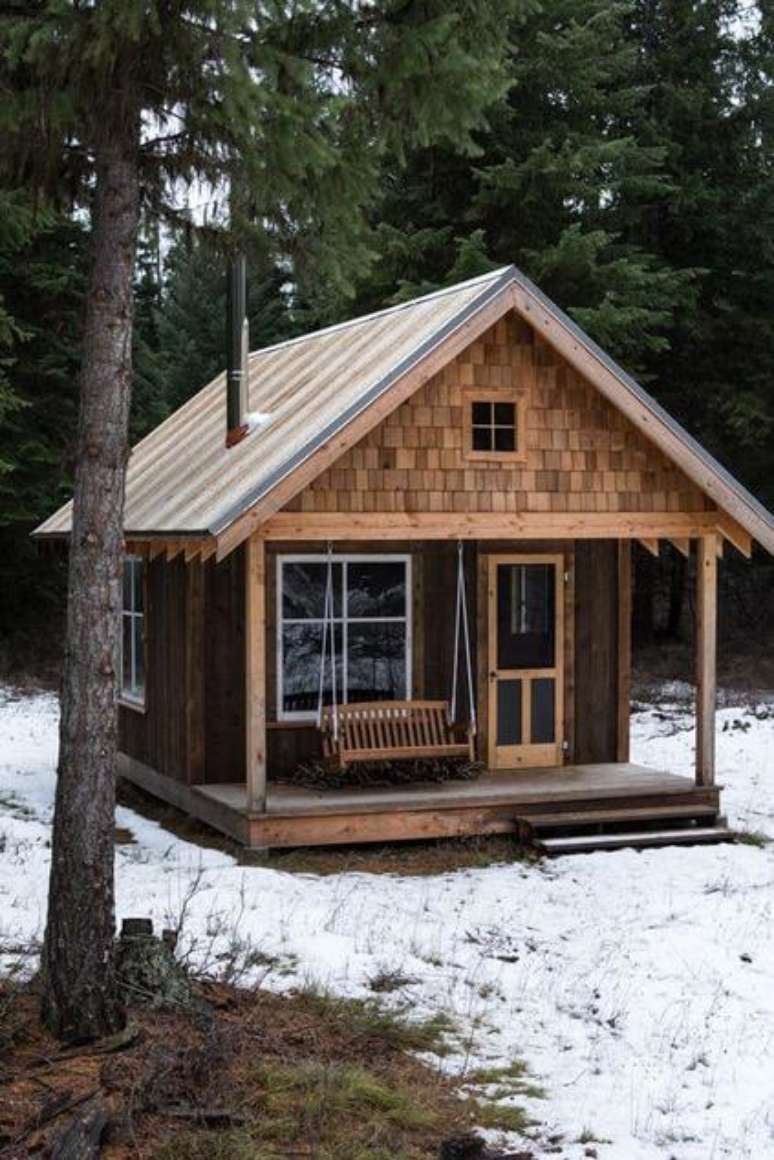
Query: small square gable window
point(494, 427)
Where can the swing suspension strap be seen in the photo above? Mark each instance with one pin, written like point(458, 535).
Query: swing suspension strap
point(328, 625)
point(462, 626)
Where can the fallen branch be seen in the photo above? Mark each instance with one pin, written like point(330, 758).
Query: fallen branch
point(52, 1109)
point(82, 1138)
point(112, 1043)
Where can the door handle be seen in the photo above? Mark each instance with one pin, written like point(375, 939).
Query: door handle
point(493, 675)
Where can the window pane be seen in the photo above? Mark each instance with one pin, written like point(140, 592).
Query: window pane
point(303, 589)
point(126, 654)
point(509, 712)
point(504, 439)
point(376, 662)
point(127, 599)
point(482, 414)
point(525, 616)
point(139, 657)
point(139, 586)
point(505, 414)
point(542, 716)
point(376, 588)
point(301, 651)
point(482, 439)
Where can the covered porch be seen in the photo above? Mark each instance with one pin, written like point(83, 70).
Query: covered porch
point(577, 772)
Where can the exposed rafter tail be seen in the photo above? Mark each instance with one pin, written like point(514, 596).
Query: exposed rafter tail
point(735, 534)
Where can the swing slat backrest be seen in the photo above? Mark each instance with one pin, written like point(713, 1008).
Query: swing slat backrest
point(385, 730)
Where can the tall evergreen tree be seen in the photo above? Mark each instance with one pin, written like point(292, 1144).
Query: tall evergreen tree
point(707, 107)
point(559, 178)
point(17, 227)
point(705, 69)
point(150, 391)
point(42, 271)
point(189, 319)
point(111, 100)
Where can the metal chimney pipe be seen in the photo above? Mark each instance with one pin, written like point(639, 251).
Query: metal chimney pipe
point(237, 345)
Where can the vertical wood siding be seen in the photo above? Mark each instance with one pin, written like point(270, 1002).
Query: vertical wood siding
point(224, 669)
point(157, 736)
point(194, 726)
point(597, 653)
point(192, 729)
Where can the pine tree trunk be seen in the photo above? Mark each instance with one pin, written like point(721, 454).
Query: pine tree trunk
point(80, 1000)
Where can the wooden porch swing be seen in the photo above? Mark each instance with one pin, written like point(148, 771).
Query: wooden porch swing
point(396, 730)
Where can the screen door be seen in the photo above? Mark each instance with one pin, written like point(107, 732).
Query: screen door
point(526, 661)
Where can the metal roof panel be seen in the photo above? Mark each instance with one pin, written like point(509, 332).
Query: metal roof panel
point(181, 478)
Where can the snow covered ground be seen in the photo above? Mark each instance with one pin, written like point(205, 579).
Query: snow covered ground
point(637, 987)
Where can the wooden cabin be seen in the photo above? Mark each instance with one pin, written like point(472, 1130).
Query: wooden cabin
point(317, 525)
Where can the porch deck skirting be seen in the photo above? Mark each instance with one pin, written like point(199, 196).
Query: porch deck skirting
point(492, 804)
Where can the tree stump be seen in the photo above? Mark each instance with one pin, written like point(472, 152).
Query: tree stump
point(148, 972)
point(469, 1146)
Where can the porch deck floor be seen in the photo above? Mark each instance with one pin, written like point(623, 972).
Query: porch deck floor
point(527, 787)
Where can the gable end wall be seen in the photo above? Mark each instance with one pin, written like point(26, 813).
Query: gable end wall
point(583, 455)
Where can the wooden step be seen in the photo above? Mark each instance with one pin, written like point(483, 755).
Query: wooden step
point(695, 799)
point(600, 817)
point(639, 840)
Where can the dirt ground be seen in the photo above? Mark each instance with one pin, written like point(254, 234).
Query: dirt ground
point(247, 1075)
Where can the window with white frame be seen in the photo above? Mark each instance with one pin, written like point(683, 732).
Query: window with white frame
point(133, 632)
point(371, 631)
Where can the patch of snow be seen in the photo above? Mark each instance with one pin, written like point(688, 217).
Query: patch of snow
point(256, 419)
point(637, 987)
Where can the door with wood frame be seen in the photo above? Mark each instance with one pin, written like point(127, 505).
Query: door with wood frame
point(526, 660)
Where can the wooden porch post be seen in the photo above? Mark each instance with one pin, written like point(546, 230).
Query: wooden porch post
point(255, 673)
point(624, 648)
point(706, 657)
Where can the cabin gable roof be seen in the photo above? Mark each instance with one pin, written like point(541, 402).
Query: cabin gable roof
point(312, 399)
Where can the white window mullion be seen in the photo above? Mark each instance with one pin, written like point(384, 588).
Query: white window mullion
point(344, 632)
point(123, 649)
point(132, 622)
point(409, 629)
point(132, 650)
point(279, 641)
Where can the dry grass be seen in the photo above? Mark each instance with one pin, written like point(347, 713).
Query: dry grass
point(12, 1016)
point(438, 856)
point(506, 1082)
point(306, 1075)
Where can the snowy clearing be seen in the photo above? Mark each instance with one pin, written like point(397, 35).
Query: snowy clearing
point(637, 987)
